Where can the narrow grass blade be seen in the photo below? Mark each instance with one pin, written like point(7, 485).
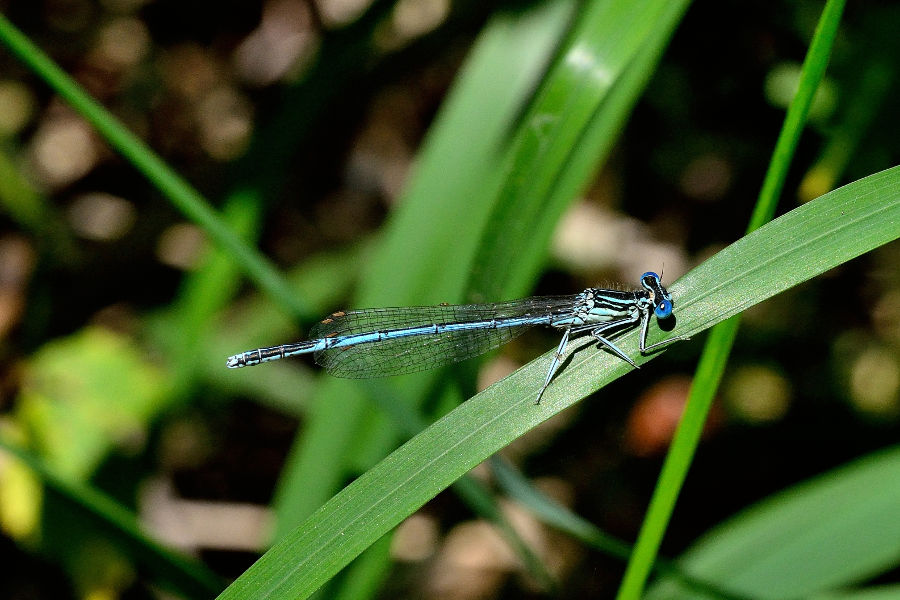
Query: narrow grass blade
point(553, 514)
point(718, 346)
point(188, 200)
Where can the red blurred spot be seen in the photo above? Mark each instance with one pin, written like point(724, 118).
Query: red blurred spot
point(654, 417)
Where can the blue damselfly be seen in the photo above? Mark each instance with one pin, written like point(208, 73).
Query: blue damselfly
point(377, 342)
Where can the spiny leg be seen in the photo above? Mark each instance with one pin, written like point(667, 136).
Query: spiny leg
point(555, 364)
point(595, 332)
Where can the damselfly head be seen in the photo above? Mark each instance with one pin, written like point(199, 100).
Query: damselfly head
point(650, 280)
point(662, 301)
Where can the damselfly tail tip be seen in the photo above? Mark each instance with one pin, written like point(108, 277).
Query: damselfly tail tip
point(236, 362)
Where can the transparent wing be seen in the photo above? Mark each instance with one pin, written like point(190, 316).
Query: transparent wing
point(420, 352)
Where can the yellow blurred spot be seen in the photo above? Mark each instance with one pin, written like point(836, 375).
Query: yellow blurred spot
point(122, 43)
point(337, 13)
point(875, 382)
point(819, 180)
point(101, 571)
point(181, 246)
point(16, 107)
point(225, 118)
point(886, 316)
point(758, 394)
point(411, 19)
point(781, 86)
point(20, 498)
point(101, 594)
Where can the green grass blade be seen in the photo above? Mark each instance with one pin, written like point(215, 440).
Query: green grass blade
point(188, 200)
point(367, 573)
point(718, 346)
point(570, 125)
point(810, 77)
point(799, 245)
point(410, 265)
point(707, 377)
point(833, 531)
point(549, 512)
point(469, 139)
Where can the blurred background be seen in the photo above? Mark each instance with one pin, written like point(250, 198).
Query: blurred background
point(302, 120)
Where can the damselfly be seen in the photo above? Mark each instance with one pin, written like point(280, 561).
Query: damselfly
point(377, 342)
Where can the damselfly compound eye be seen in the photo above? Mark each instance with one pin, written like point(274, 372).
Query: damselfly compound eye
point(663, 310)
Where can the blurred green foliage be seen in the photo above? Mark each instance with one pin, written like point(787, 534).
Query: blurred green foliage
point(115, 327)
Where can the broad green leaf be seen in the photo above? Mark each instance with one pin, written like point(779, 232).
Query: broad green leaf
point(830, 532)
point(83, 393)
point(573, 121)
point(419, 259)
point(881, 592)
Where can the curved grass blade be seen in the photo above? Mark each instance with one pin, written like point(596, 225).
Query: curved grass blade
point(798, 246)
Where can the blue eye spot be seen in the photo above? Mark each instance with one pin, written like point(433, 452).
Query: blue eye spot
point(664, 309)
point(650, 274)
